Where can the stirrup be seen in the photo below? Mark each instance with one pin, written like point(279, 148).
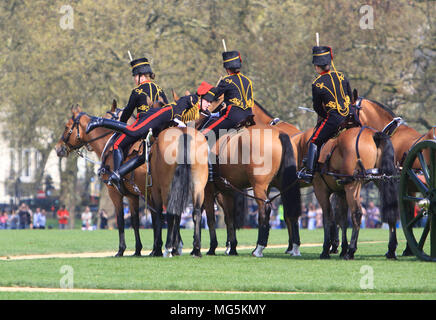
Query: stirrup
point(305, 175)
point(115, 181)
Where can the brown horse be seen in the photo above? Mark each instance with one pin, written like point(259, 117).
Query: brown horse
point(179, 169)
point(258, 156)
point(327, 185)
point(403, 137)
point(74, 137)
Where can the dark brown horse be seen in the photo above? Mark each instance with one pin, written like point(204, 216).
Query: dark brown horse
point(258, 156)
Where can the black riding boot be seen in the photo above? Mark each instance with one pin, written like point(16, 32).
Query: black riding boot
point(312, 156)
point(107, 123)
point(127, 167)
point(115, 177)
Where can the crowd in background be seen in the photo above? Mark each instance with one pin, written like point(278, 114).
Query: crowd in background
point(311, 218)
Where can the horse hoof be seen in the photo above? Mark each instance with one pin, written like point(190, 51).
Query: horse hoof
point(231, 252)
point(211, 252)
point(156, 253)
point(334, 250)
point(295, 252)
point(167, 254)
point(391, 256)
point(136, 254)
point(196, 253)
point(349, 256)
point(324, 256)
point(407, 253)
point(119, 254)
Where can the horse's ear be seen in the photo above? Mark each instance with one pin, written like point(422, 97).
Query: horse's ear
point(355, 95)
point(175, 96)
point(75, 109)
point(114, 105)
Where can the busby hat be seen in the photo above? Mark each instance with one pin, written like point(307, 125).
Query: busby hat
point(232, 60)
point(140, 66)
point(205, 91)
point(322, 55)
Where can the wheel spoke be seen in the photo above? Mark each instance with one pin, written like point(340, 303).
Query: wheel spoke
point(418, 183)
point(424, 167)
point(410, 198)
point(424, 234)
point(414, 220)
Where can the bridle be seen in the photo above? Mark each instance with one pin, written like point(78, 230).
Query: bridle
point(76, 124)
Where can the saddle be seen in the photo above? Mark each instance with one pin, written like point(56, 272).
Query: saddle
point(247, 122)
point(352, 119)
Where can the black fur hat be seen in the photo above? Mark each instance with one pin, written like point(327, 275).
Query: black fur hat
point(322, 55)
point(232, 60)
point(140, 66)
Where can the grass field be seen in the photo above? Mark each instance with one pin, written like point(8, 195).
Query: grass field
point(275, 276)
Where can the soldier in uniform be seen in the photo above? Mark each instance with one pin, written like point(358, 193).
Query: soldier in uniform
point(142, 99)
point(332, 96)
point(238, 95)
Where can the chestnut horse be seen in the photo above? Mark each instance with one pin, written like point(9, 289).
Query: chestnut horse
point(74, 137)
point(403, 137)
point(342, 162)
point(257, 156)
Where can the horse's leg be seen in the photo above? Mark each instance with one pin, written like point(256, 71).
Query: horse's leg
point(171, 221)
point(228, 207)
point(264, 211)
point(323, 195)
point(352, 191)
point(198, 197)
point(157, 222)
point(177, 238)
point(340, 209)
point(341, 217)
point(117, 201)
point(134, 209)
point(210, 213)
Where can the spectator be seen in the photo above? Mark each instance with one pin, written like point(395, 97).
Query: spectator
point(86, 219)
point(14, 220)
point(373, 216)
point(4, 220)
point(24, 216)
point(103, 219)
point(311, 215)
point(42, 219)
point(363, 220)
point(281, 215)
point(36, 218)
point(63, 217)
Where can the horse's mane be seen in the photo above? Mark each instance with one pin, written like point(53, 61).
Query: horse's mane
point(263, 109)
point(385, 108)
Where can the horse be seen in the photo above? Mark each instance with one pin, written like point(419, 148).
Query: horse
point(299, 141)
point(233, 175)
point(180, 170)
point(74, 137)
point(403, 137)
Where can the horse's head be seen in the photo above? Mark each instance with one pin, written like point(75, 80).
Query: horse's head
point(73, 135)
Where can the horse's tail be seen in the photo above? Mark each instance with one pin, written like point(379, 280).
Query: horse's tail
point(290, 187)
point(181, 186)
point(388, 187)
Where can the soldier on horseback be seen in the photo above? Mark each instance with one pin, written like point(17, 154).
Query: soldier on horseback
point(238, 95)
point(142, 99)
point(332, 97)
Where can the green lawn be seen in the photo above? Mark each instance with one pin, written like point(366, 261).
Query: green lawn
point(253, 278)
